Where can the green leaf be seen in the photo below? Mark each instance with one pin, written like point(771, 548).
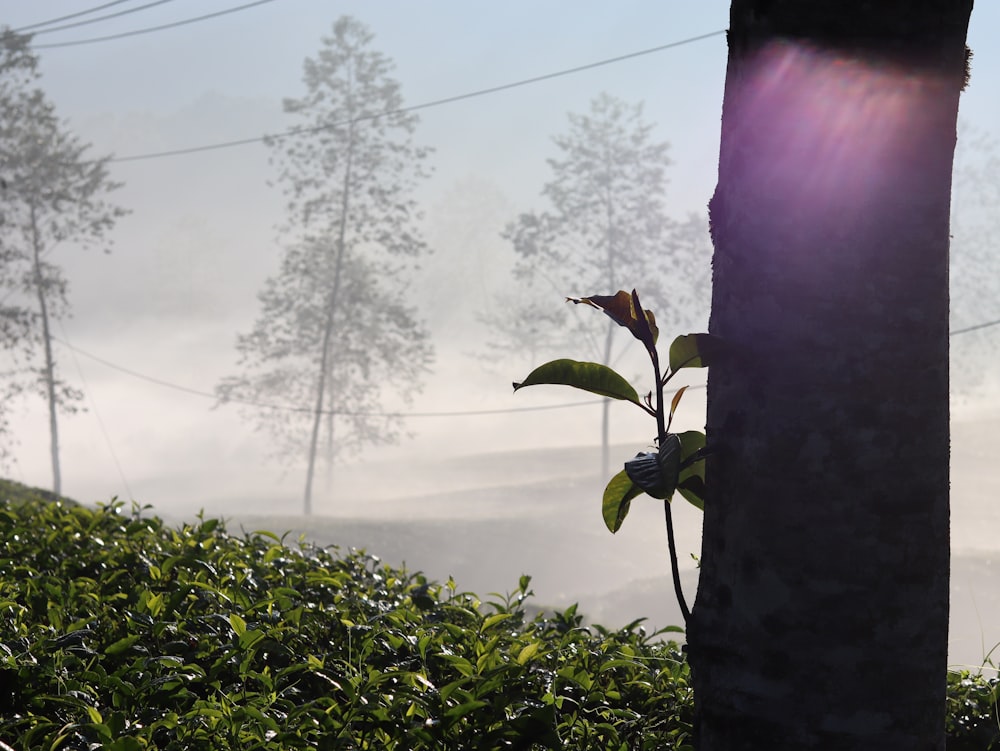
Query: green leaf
point(618, 496)
point(250, 637)
point(239, 625)
point(693, 351)
point(527, 652)
point(463, 709)
point(120, 646)
point(589, 376)
point(625, 310)
point(691, 482)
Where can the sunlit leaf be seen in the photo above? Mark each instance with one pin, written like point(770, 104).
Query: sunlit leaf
point(673, 404)
point(121, 645)
point(239, 625)
point(625, 310)
point(618, 496)
point(589, 376)
point(693, 351)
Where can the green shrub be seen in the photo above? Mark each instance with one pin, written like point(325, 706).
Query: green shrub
point(121, 633)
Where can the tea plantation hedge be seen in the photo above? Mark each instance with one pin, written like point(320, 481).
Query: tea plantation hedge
point(119, 632)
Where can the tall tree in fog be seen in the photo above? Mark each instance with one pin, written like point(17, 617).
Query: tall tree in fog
point(52, 194)
point(821, 619)
point(606, 228)
point(975, 262)
point(335, 330)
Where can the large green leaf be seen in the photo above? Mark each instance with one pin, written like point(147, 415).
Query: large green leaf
point(618, 497)
point(691, 481)
point(693, 351)
point(589, 376)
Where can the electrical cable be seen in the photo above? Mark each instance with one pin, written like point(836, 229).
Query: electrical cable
point(71, 15)
point(97, 414)
point(102, 18)
point(310, 410)
point(456, 413)
point(978, 326)
point(150, 29)
point(415, 107)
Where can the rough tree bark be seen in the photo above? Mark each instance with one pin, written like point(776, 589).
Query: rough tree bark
point(822, 611)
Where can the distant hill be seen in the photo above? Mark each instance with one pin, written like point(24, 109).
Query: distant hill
point(16, 492)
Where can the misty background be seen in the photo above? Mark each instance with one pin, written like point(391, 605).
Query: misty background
point(489, 490)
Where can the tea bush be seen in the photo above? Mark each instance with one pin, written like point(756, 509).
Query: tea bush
point(119, 632)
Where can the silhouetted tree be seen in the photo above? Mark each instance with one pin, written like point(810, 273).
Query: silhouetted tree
point(822, 610)
point(52, 193)
point(335, 328)
point(606, 228)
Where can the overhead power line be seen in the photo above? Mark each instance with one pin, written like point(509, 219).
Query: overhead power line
point(151, 29)
point(97, 414)
point(455, 413)
point(103, 18)
point(71, 15)
point(311, 410)
point(415, 107)
point(978, 326)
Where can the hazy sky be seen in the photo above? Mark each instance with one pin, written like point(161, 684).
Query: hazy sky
point(187, 263)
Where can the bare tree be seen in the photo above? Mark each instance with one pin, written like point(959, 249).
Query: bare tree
point(821, 618)
point(606, 228)
point(52, 194)
point(335, 330)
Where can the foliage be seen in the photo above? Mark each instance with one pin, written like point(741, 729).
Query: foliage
point(120, 631)
point(607, 222)
point(51, 193)
point(683, 453)
point(335, 328)
point(973, 716)
point(678, 463)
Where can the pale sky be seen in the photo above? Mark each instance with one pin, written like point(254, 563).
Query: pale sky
point(180, 283)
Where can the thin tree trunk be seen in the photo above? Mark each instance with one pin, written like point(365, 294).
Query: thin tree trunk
point(330, 320)
point(330, 451)
point(318, 412)
point(606, 408)
point(822, 609)
point(50, 370)
point(610, 336)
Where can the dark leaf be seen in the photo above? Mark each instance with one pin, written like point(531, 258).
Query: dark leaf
point(656, 474)
point(625, 310)
point(691, 481)
point(693, 351)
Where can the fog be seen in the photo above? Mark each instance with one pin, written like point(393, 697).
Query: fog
point(488, 495)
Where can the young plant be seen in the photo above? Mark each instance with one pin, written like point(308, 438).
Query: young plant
point(678, 463)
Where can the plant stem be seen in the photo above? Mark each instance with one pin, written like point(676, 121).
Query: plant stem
point(674, 571)
point(661, 429)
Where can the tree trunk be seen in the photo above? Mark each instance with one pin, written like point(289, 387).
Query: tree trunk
point(606, 407)
point(50, 367)
point(609, 338)
point(822, 610)
point(324, 376)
